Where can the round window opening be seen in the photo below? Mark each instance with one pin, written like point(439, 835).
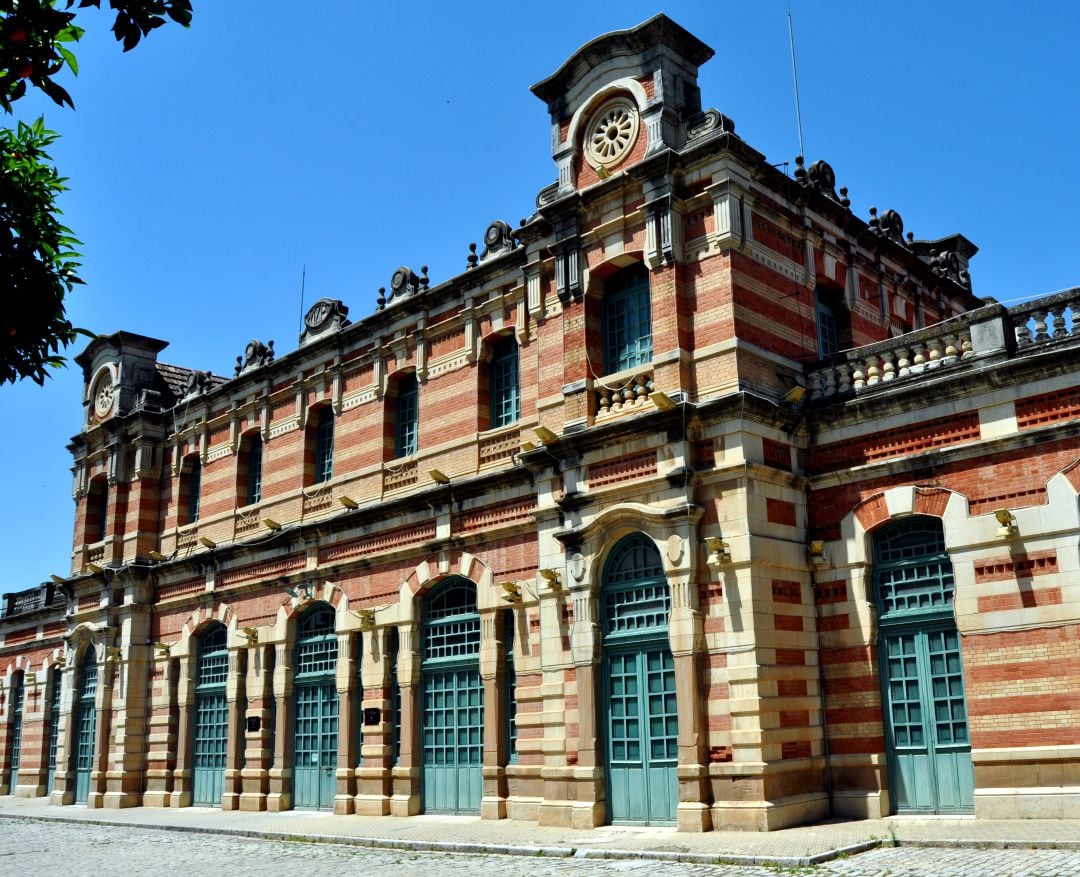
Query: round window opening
point(611, 133)
point(103, 394)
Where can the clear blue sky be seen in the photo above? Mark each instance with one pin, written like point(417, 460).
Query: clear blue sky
point(209, 165)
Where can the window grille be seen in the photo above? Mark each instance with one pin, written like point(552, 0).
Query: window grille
point(324, 445)
point(505, 394)
point(89, 676)
point(254, 471)
point(16, 733)
point(511, 691)
point(213, 664)
point(98, 510)
point(451, 622)
point(408, 416)
point(636, 598)
point(54, 723)
point(627, 323)
point(316, 642)
point(912, 570)
point(395, 691)
point(828, 336)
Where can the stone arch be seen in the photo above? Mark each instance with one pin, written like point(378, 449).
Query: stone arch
point(429, 572)
point(200, 616)
point(292, 608)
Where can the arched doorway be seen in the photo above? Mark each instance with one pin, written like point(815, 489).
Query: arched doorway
point(922, 680)
point(85, 723)
point(315, 709)
point(452, 714)
point(18, 696)
point(54, 726)
point(211, 717)
point(641, 722)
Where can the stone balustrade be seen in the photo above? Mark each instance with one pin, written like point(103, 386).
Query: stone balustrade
point(988, 331)
point(622, 392)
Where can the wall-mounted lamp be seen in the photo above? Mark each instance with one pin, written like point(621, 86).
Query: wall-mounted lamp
point(816, 551)
point(528, 446)
point(58, 580)
point(348, 502)
point(511, 592)
point(1008, 523)
point(95, 568)
point(366, 616)
point(794, 395)
point(545, 435)
point(438, 476)
point(163, 649)
point(158, 557)
point(719, 550)
point(662, 401)
point(207, 542)
point(250, 635)
point(552, 577)
point(300, 592)
point(271, 524)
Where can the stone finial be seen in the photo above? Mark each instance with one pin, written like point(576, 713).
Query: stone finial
point(800, 170)
point(845, 201)
point(425, 281)
point(255, 355)
point(473, 258)
point(380, 302)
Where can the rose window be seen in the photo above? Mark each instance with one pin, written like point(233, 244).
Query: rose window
point(611, 133)
point(103, 398)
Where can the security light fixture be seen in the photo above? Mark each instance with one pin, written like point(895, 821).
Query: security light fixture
point(511, 592)
point(528, 446)
point(158, 557)
point(662, 401)
point(719, 550)
point(438, 476)
point(207, 542)
point(95, 568)
point(58, 580)
point(1008, 523)
point(271, 524)
point(61, 661)
point(545, 435)
point(552, 577)
point(112, 654)
point(794, 395)
point(348, 502)
point(250, 634)
point(816, 551)
point(163, 649)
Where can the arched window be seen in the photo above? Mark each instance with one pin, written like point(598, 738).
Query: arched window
point(97, 510)
point(250, 469)
point(407, 410)
point(642, 721)
point(315, 709)
point(55, 686)
point(18, 695)
point(85, 723)
point(211, 716)
point(190, 489)
point(510, 690)
point(503, 384)
point(324, 445)
point(922, 679)
point(627, 319)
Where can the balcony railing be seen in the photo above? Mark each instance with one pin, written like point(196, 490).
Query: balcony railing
point(622, 392)
point(990, 330)
point(33, 599)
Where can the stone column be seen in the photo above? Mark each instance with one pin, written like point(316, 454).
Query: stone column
point(64, 779)
point(493, 674)
point(349, 646)
point(236, 697)
point(279, 796)
point(373, 780)
point(102, 732)
point(185, 740)
point(258, 754)
point(162, 742)
point(406, 774)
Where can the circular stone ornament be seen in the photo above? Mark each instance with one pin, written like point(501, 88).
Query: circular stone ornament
point(103, 395)
point(611, 133)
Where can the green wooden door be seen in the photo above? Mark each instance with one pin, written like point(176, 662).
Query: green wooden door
point(453, 740)
point(16, 735)
point(926, 722)
point(452, 707)
point(315, 745)
point(85, 726)
point(315, 710)
point(641, 722)
point(922, 683)
point(642, 729)
point(54, 729)
point(211, 717)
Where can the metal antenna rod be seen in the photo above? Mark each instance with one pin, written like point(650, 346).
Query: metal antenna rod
point(795, 76)
point(303, 282)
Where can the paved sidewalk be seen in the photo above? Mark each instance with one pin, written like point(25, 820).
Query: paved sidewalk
point(790, 847)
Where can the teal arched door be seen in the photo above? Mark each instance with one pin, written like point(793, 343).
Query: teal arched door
point(18, 696)
point(54, 727)
point(85, 713)
point(641, 723)
point(922, 679)
point(315, 710)
point(452, 710)
point(211, 717)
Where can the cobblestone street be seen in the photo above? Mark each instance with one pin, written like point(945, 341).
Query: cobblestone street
point(52, 849)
